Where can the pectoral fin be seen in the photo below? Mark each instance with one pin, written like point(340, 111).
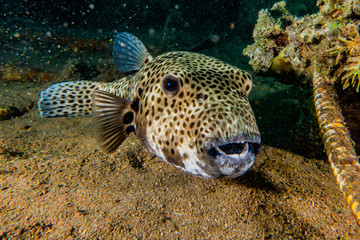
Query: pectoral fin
point(113, 119)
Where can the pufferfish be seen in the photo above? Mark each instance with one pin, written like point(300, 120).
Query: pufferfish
point(190, 110)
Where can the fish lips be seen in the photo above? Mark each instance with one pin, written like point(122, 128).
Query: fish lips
point(233, 157)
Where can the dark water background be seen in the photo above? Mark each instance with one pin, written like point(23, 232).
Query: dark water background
point(139, 15)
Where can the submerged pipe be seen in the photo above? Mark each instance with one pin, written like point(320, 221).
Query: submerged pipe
point(337, 142)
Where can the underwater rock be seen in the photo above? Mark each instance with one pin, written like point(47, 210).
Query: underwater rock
point(76, 69)
point(16, 107)
point(325, 46)
point(104, 70)
point(9, 112)
point(285, 43)
point(282, 62)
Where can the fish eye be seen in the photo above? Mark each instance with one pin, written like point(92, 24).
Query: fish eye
point(170, 85)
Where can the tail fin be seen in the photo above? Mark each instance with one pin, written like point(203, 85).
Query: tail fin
point(67, 99)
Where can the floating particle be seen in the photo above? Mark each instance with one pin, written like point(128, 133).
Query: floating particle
point(151, 31)
point(215, 38)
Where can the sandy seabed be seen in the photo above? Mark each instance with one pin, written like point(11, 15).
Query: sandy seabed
point(55, 183)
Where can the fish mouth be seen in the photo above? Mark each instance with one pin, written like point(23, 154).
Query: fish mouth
point(234, 157)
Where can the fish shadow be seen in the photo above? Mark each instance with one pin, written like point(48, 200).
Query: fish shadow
point(255, 180)
point(286, 119)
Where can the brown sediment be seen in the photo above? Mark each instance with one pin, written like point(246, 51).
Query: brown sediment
point(83, 44)
point(55, 183)
point(23, 74)
point(338, 143)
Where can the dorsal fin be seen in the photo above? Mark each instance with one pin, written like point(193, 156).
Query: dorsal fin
point(129, 53)
point(113, 119)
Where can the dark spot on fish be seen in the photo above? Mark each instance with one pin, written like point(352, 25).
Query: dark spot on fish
point(130, 129)
point(135, 105)
point(173, 158)
point(241, 94)
point(128, 118)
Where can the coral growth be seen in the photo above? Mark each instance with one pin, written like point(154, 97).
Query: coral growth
point(351, 76)
point(325, 45)
point(348, 56)
point(284, 43)
point(269, 38)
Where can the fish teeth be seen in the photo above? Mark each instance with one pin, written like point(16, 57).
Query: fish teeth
point(219, 150)
point(235, 157)
point(244, 151)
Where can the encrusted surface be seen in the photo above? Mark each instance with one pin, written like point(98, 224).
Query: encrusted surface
point(338, 144)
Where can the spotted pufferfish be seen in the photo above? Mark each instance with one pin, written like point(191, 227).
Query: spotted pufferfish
point(190, 110)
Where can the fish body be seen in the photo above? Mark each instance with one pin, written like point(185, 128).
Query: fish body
point(188, 109)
